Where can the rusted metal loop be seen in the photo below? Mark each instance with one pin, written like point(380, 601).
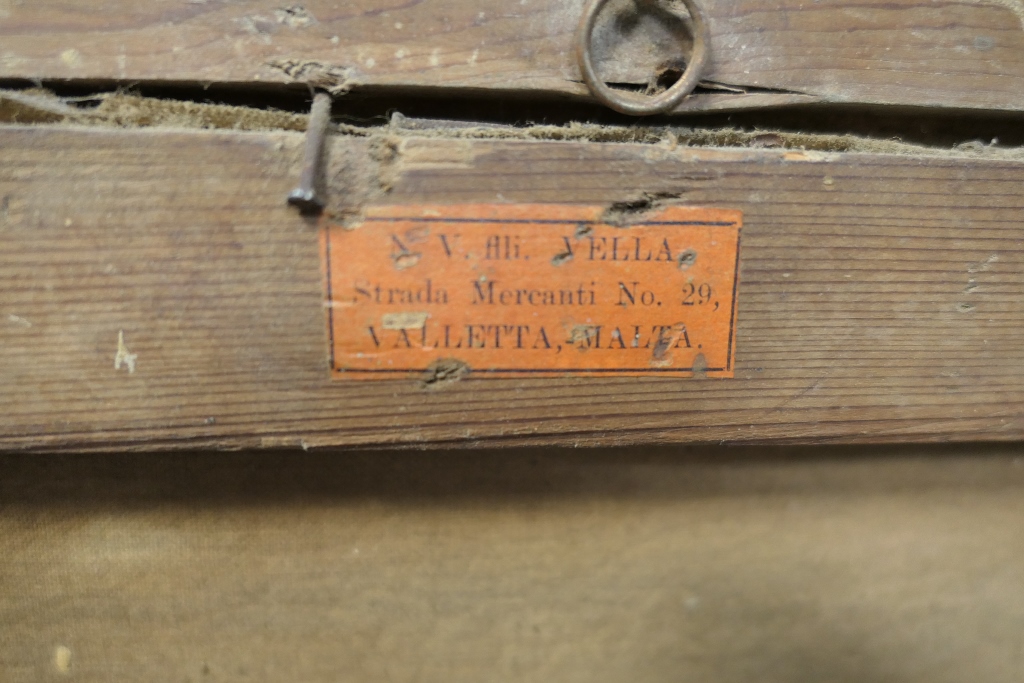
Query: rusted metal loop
point(635, 103)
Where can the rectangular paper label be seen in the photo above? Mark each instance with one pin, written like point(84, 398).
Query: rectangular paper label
point(514, 290)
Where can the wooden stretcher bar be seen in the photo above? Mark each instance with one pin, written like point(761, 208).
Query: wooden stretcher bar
point(879, 298)
point(957, 54)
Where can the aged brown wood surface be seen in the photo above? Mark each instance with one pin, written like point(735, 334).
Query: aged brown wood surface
point(880, 295)
point(941, 53)
point(574, 566)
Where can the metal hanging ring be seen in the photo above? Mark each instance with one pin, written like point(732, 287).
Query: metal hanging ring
point(634, 103)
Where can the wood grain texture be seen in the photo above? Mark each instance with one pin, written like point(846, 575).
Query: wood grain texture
point(937, 53)
point(880, 295)
point(594, 567)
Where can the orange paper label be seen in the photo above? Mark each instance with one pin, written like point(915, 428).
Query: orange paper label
point(532, 290)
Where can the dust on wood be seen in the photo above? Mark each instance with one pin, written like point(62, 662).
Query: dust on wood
point(443, 373)
point(132, 111)
point(385, 150)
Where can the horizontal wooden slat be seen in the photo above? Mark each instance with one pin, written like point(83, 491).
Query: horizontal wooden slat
point(938, 53)
point(880, 295)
